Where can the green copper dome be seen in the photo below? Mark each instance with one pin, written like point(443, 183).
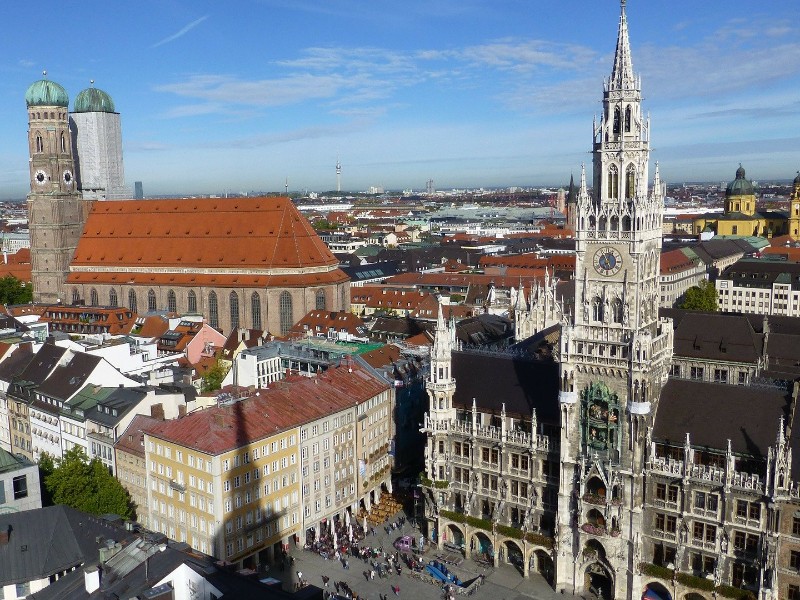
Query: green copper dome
point(46, 93)
point(93, 100)
point(740, 186)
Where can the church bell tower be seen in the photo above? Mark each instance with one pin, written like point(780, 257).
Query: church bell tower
point(614, 350)
point(56, 212)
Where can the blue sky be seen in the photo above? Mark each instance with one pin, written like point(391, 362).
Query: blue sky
point(239, 95)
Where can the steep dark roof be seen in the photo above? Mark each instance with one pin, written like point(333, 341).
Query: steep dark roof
point(47, 540)
point(43, 363)
point(714, 413)
point(69, 379)
point(15, 364)
point(717, 336)
point(494, 379)
point(757, 273)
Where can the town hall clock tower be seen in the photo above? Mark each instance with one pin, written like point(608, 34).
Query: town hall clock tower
point(614, 351)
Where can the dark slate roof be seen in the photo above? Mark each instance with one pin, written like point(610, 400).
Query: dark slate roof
point(67, 380)
point(372, 270)
point(493, 379)
point(123, 400)
point(485, 329)
point(47, 540)
point(712, 250)
point(15, 364)
point(716, 336)
point(132, 440)
point(713, 413)
point(43, 363)
point(783, 354)
point(759, 273)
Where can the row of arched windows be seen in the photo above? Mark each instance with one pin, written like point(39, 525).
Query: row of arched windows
point(617, 129)
point(39, 143)
point(613, 182)
point(285, 305)
point(599, 308)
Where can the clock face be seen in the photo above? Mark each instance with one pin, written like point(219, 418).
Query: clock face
point(607, 261)
point(67, 177)
point(40, 177)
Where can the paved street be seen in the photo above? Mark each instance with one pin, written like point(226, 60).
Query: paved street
point(502, 583)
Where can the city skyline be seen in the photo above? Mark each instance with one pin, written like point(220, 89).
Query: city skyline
point(468, 94)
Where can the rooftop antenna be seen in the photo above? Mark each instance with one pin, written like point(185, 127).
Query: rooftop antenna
point(338, 175)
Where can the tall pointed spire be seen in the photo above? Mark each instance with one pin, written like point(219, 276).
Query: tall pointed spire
point(622, 75)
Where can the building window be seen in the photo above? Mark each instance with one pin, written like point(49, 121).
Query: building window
point(151, 301)
point(697, 372)
point(613, 182)
point(616, 310)
point(793, 592)
point(320, 300)
point(234, 299)
point(75, 296)
point(132, 301)
point(597, 309)
point(794, 559)
point(20, 487)
point(213, 310)
point(628, 119)
point(192, 301)
point(255, 310)
point(286, 312)
point(630, 182)
point(172, 304)
point(93, 300)
point(112, 298)
point(721, 375)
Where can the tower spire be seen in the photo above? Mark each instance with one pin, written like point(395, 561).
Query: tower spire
point(622, 75)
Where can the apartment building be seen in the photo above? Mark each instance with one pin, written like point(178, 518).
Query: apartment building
point(241, 480)
point(760, 286)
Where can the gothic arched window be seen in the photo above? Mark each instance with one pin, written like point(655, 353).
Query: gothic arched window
point(213, 310)
point(93, 301)
point(112, 298)
point(192, 302)
point(626, 223)
point(172, 304)
point(132, 301)
point(320, 305)
point(630, 182)
point(616, 310)
point(613, 182)
point(234, 301)
point(39, 143)
point(602, 223)
point(617, 119)
point(286, 312)
point(255, 310)
point(63, 143)
point(615, 223)
point(151, 301)
point(628, 120)
point(75, 296)
point(597, 309)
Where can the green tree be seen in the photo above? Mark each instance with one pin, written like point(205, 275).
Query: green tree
point(14, 291)
point(212, 380)
point(87, 485)
point(701, 297)
point(46, 468)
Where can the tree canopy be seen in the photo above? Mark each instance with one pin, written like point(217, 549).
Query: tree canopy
point(83, 484)
point(701, 297)
point(14, 291)
point(212, 380)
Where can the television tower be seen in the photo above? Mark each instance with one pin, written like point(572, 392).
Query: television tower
point(338, 175)
point(286, 186)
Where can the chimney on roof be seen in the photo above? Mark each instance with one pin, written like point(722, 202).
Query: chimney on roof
point(5, 534)
point(91, 579)
point(157, 411)
point(181, 410)
point(219, 420)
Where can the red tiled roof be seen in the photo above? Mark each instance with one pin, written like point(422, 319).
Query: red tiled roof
point(230, 235)
point(460, 279)
point(323, 320)
point(675, 260)
point(381, 296)
point(380, 357)
point(135, 430)
point(287, 404)
point(154, 327)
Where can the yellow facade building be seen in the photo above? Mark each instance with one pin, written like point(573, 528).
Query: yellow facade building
point(741, 218)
